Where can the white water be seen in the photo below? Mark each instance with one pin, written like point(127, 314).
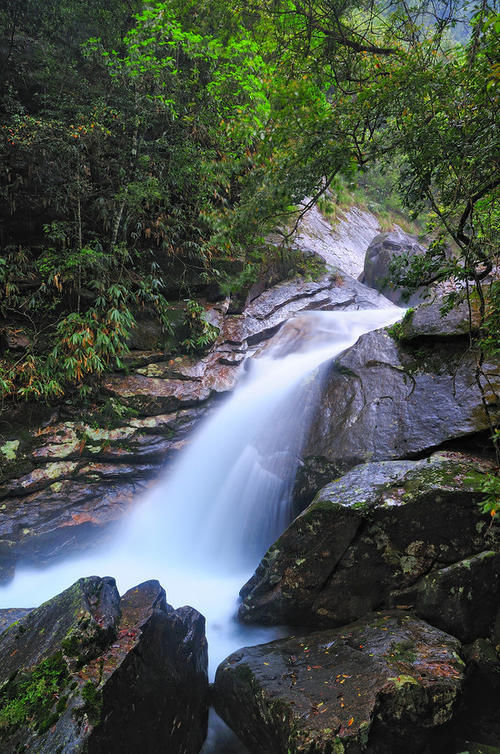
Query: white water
point(202, 530)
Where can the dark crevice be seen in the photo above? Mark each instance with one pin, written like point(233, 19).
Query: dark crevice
point(473, 443)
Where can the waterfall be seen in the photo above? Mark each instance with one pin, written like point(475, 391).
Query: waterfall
point(204, 526)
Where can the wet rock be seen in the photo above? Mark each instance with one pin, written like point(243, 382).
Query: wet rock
point(178, 368)
point(47, 454)
point(312, 474)
point(67, 484)
point(61, 520)
point(462, 598)
point(385, 684)
point(173, 384)
point(384, 400)
point(266, 313)
point(478, 712)
point(90, 671)
point(382, 250)
point(386, 534)
point(152, 395)
point(427, 320)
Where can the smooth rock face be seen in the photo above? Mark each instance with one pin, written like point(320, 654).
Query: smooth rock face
point(386, 534)
point(384, 399)
point(88, 671)
point(386, 684)
point(379, 255)
point(343, 244)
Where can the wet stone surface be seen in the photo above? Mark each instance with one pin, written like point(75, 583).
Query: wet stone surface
point(386, 534)
point(384, 399)
point(387, 683)
point(66, 483)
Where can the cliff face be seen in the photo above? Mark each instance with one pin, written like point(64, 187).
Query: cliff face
point(341, 243)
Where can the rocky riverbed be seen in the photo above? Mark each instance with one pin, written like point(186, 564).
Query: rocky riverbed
point(389, 577)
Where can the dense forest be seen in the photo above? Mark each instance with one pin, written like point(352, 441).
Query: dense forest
point(148, 149)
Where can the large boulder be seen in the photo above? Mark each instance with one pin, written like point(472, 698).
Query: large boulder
point(88, 671)
point(384, 399)
point(383, 249)
point(434, 319)
point(386, 534)
point(385, 684)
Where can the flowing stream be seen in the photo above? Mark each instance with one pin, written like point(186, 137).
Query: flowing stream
point(203, 528)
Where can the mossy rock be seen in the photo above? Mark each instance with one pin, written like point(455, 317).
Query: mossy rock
point(380, 536)
point(88, 671)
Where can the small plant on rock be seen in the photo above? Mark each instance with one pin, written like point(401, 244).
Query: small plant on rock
point(201, 333)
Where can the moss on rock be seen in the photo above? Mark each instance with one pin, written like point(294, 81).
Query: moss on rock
point(32, 696)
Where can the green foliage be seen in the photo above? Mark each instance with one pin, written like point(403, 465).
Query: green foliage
point(397, 330)
point(92, 703)
point(83, 344)
point(373, 189)
point(35, 698)
point(131, 166)
point(201, 333)
point(113, 410)
point(143, 145)
point(489, 486)
point(69, 346)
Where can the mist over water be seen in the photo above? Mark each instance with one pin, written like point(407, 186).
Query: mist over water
point(203, 528)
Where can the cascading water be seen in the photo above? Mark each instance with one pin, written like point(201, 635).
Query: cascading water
point(202, 530)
